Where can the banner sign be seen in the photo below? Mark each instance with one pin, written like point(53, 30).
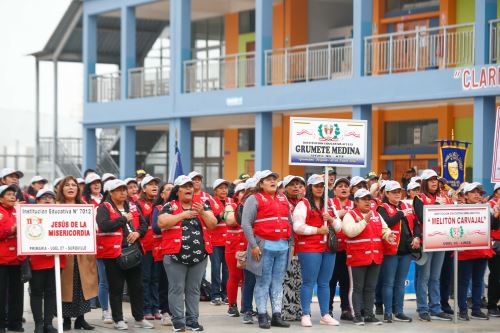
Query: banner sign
point(495, 169)
point(55, 229)
point(453, 156)
point(482, 78)
point(456, 227)
point(328, 142)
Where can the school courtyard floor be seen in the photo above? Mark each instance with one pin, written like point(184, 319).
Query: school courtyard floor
point(214, 319)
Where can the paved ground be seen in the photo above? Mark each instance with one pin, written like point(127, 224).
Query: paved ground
point(214, 319)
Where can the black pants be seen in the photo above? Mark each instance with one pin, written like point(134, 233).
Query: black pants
point(340, 276)
point(494, 281)
point(163, 289)
point(43, 296)
point(364, 282)
point(116, 279)
point(11, 287)
point(446, 280)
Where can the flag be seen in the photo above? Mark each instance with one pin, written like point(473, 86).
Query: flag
point(176, 168)
point(453, 161)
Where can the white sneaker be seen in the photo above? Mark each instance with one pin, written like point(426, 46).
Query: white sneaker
point(106, 317)
point(121, 325)
point(143, 324)
point(305, 321)
point(166, 320)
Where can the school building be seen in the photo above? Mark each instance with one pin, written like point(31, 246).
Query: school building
point(221, 78)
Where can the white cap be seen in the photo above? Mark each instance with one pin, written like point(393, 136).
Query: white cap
point(240, 187)
point(44, 191)
point(361, 193)
point(4, 188)
point(315, 179)
point(356, 180)
point(107, 176)
point(428, 174)
point(80, 181)
point(497, 186)
point(219, 182)
point(250, 183)
point(415, 179)
point(182, 180)
point(8, 171)
point(57, 181)
point(92, 178)
point(472, 186)
point(288, 179)
point(37, 179)
point(256, 175)
point(193, 174)
point(129, 180)
point(412, 186)
point(464, 184)
point(266, 173)
point(382, 184)
point(341, 180)
point(280, 184)
point(113, 184)
point(392, 185)
point(148, 179)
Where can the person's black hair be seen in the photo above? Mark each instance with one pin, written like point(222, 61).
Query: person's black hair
point(174, 194)
point(31, 191)
point(493, 194)
point(158, 200)
point(86, 172)
point(310, 197)
point(106, 197)
point(86, 193)
point(424, 188)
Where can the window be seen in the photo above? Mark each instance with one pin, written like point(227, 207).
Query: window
point(410, 134)
point(207, 155)
point(208, 38)
point(246, 139)
point(247, 22)
point(407, 7)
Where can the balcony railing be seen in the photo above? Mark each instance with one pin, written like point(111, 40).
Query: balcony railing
point(494, 41)
point(421, 49)
point(322, 61)
point(228, 72)
point(105, 87)
point(148, 81)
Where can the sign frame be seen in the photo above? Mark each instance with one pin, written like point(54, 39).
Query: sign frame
point(496, 157)
point(363, 123)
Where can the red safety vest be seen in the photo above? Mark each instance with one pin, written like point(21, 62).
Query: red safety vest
point(157, 256)
point(477, 254)
point(219, 234)
point(272, 217)
point(392, 249)
point(312, 243)
point(146, 210)
point(365, 248)
point(374, 203)
point(172, 238)
point(201, 197)
point(45, 262)
point(235, 239)
point(8, 244)
point(349, 205)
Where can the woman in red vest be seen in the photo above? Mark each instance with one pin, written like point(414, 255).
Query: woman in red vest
point(266, 224)
point(397, 257)
point(472, 264)
point(92, 192)
point(43, 281)
point(11, 288)
point(364, 229)
point(235, 242)
point(185, 245)
point(494, 262)
point(121, 225)
point(310, 223)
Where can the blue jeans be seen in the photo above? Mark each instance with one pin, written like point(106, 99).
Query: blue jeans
point(218, 262)
point(395, 269)
point(427, 284)
point(316, 268)
point(270, 283)
point(247, 293)
point(103, 285)
point(150, 281)
point(468, 269)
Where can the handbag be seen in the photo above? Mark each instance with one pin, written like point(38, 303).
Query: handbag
point(332, 240)
point(131, 255)
point(241, 259)
point(26, 273)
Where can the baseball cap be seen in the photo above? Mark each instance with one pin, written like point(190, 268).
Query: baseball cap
point(219, 182)
point(371, 175)
point(315, 179)
point(356, 180)
point(140, 173)
point(412, 185)
point(332, 172)
point(392, 185)
point(182, 180)
point(250, 183)
point(288, 179)
point(113, 184)
point(240, 187)
point(415, 179)
point(5, 188)
point(472, 186)
point(57, 181)
point(193, 174)
point(442, 180)
point(92, 178)
point(361, 193)
point(341, 180)
point(80, 181)
point(129, 180)
point(107, 176)
point(266, 173)
point(428, 174)
point(9, 171)
point(37, 179)
point(148, 179)
point(45, 191)
point(280, 184)
point(497, 186)
point(244, 176)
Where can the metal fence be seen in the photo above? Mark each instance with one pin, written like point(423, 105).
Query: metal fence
point(227, 72)
point(421, 49)
point(148, 81)
point(494, 41)
point(105, 87)
point(321, 61)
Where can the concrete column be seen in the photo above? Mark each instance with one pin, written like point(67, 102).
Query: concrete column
point(89, 52)
point(364, 112)
point(127, 47)
point(180, 41)
point(127, 151)
point(179, 131)
point(89, 142)
point(486, 10)
point(263, 140)
point(483, 134)
point(263, 37)
point(362, 27)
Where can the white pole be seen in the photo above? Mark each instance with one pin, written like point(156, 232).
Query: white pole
point(455, 284)
point(57, 269)
point(325, 203)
